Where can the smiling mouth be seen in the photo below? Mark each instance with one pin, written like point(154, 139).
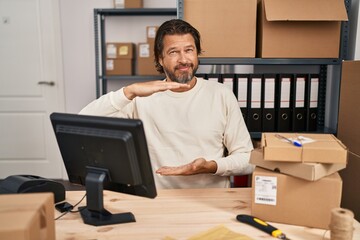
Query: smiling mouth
point(183, 67)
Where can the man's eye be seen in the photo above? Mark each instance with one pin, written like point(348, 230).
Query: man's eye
point(189, 50)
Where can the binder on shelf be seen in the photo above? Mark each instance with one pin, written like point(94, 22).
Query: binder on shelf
point(228, 80)
point(254, 100)
point(268, 103)
point(215, 77)
point(283, 116)
point(242, 93)
point(312, 98)
point(299, 103)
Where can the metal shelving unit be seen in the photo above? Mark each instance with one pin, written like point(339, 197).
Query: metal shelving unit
point(100, 58)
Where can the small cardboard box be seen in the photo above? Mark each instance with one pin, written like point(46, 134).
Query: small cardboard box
point(119, 50)
point(151, 34)
point(145, 60)
point(227, 29)
point(35, 209)
point(300, 28)
point(128, 3)
point(325, 148)
point(306, 171)
point(119, 66)
point(285, 199)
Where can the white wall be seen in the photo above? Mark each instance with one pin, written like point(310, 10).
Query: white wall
point(77, 26)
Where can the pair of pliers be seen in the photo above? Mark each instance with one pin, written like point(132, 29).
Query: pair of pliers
point(262, 225)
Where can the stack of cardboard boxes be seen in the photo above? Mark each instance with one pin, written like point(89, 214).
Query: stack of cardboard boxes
point(268, 28)
point(145, 53)
point(297, 185)
point(120, 56)
point(119, 59)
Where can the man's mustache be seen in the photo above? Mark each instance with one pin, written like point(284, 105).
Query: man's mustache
point(184, 65)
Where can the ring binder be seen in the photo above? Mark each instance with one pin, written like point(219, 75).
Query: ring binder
point(298, 103)
point(254, 102)
point(268, 103)
point(284, 117)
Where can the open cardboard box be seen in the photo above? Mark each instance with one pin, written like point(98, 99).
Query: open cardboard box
point(300, 28)
point(307, 171)
point(325, 148)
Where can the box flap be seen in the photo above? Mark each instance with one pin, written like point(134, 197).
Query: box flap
point(305, 10)
point(307, 171)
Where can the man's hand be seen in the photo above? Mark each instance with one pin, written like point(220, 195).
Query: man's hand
point(144, 89)
point(199, 165)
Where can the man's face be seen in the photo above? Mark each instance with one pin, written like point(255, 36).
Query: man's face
point(179, 58)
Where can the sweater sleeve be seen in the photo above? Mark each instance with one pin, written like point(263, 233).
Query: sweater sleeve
point(238, 143)
point(114, 104)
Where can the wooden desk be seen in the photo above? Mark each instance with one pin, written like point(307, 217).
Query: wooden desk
point(177, 213)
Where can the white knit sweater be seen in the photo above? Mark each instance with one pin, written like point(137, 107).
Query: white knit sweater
point(181, 127)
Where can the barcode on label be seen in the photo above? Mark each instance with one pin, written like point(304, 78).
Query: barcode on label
point(265, 199)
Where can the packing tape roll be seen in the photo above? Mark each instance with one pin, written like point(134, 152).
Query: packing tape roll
point(341, 224)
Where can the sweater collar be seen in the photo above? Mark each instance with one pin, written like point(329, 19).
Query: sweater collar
point(198, 84)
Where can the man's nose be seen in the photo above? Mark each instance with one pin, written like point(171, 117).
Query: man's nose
point(183, 58)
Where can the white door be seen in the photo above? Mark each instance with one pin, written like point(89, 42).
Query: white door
point(31, 87)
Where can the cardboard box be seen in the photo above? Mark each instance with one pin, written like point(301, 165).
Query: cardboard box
point(34, 214)
point(119, 50)
point(151, 34)
point(20, 226)
point(306, 171)
point(349, 115)
point(325, 148)
point(351, 185)
point(119, 67)
point(227, 29)
point(300, 28)
point(145, 60)
point(285, 199)
point(349, 134)
point(128, 3)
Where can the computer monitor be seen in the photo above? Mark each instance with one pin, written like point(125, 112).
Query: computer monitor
point(104, 153)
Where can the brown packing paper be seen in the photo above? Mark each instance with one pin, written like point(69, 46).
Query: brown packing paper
point(216, 233)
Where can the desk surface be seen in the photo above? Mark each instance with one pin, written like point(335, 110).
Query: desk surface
point(177, 213)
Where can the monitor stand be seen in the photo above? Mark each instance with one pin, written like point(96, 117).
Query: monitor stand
point(94, 213)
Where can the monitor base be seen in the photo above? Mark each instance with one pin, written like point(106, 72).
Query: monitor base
point(104, 217)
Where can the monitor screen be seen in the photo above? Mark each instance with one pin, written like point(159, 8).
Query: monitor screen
point(104, 153)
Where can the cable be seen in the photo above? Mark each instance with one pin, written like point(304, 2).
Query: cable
point(70, 211)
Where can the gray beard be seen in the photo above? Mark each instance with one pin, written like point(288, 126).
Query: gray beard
point(184, 78)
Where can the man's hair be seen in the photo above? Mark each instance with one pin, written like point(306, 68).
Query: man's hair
point(173, 27)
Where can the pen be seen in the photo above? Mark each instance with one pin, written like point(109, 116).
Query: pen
point(296, 143)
